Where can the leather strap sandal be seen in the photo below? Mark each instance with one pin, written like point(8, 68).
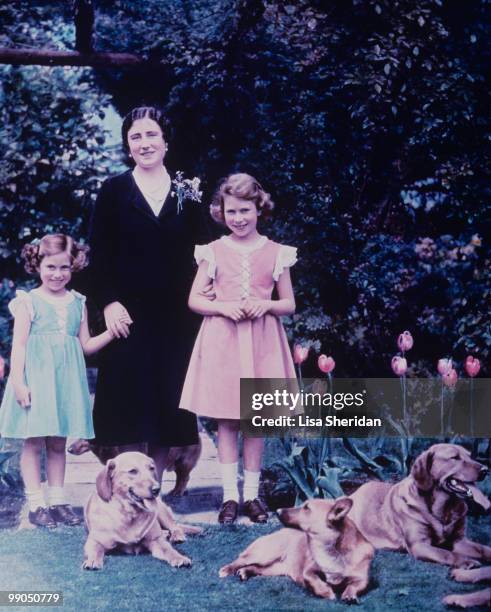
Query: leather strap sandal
point(255, 510)
point(228, 512)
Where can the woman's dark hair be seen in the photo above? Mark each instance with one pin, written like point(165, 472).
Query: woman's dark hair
point(143, 112)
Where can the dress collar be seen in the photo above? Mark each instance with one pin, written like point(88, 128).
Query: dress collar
point(61, 301)
point(245, 248)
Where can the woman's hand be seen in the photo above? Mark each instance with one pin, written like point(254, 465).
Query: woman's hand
point(232, 310)
point(254, 309)
point(22, 395)
point(117, 320)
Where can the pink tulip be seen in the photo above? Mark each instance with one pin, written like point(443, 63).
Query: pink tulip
point(399, 365)
point(472, 366)
point(300, 353)
point(326, 364)
point(449, 378)
point(405, 341)
point(444, 366)
point(2, 367)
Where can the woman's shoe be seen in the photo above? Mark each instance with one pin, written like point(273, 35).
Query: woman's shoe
point(228, 512)
point(65, 515)
point(41, 517)
point(254, 510)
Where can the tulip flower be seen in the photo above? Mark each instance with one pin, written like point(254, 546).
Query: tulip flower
point(450, 378)
point(300, 353)
point(2, 367)
point(472, 366)
point(399, 365)
point(326, 364)
point(405, 341)
point(444, 366)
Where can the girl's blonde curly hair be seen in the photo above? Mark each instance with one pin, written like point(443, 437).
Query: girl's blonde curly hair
point(53, 244)
point(242, 186)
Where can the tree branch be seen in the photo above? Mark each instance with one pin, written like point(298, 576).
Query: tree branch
point(48, 57)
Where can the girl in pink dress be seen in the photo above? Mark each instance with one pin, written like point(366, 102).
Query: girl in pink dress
point(241, 335)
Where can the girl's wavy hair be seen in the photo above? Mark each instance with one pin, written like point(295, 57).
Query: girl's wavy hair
point(143, 112)
point(245, 187)
point(53, 244)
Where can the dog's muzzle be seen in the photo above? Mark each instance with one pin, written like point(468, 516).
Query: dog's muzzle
point(466, 491)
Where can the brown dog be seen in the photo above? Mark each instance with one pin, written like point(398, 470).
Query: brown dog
point(469, 600)
point(126, 514)
point(424, 514)
point(321, 549)
point(181, 459)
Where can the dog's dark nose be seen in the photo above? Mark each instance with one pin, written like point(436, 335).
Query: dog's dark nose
point(482, 472)
point(155, 490)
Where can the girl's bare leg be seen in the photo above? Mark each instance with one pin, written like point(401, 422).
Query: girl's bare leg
point(30, 463)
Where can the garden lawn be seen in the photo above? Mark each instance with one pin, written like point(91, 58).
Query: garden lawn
point(32, 560)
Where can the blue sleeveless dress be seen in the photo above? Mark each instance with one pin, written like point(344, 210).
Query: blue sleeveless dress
point(54, 372)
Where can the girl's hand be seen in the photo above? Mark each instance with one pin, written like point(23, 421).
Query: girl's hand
point(22, 395)
point(117, 320)
point(208, 292)
point(254, 309)
point(232, 310)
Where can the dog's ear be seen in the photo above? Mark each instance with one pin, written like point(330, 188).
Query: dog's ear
point(421, 471)
point(340, 509)
point(104, 481)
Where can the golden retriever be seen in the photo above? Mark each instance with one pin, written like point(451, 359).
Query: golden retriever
point(425, 513)
point(320, 549)
point(125, 513)
point(181, 459)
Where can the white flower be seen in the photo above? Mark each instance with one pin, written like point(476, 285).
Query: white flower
point(186, 189)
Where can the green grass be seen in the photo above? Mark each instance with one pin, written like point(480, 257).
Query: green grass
point(31, 560)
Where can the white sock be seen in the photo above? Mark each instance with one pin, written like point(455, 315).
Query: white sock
point(251, 485)
point(229, 481)
point(35, 499)
point(56, 496)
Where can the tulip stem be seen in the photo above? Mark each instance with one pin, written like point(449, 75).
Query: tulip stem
point(300, 379)
point(403, 385)
point(472, 407)
point(441, 411)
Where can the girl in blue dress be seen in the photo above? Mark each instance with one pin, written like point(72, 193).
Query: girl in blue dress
point(47, 397)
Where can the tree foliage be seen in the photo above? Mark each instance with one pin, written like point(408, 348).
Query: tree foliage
point(366, 120)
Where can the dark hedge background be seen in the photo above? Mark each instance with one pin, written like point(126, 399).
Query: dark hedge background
point(367, 120)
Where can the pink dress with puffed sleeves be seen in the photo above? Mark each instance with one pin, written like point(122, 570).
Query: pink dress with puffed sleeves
point(226, 351)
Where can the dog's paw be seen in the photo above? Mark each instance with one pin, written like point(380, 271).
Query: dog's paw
point(349, 596)
point(177, 535)
point(92, 564)
point(180, 561)
point(243, 574)
point(224, 571)
point(455, 601)
point(464, 563)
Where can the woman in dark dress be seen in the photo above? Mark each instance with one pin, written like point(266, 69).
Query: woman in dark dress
point(142, 244)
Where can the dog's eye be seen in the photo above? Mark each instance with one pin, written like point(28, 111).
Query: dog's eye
point(133, 471)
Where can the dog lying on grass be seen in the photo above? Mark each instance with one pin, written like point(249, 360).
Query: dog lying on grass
point(320, 549)
point(125, 513)
point(181, 459)
point(469, 600)
point(425, 513)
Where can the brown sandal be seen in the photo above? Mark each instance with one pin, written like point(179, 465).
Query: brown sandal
point(228, 512)
point(254, 510)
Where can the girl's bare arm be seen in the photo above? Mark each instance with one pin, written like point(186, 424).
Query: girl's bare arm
point(22, 326)
point(93, 344)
